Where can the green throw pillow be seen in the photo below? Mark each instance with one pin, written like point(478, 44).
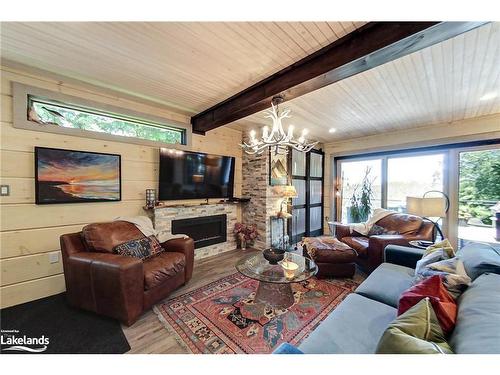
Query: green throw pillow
point(417, 331)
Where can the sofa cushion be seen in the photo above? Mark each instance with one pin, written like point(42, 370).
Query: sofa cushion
point(478, 319)
point(358, 243)
point(386, 283)
point(401, 223)
point(104, 237)
point(479, 258)
point(354, 327)
point(162, 267)
point(417, 331)
point(442, 302)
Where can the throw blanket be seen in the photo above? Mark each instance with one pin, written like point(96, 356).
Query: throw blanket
point(145, 225)
point(439, 259)
point(364, 228)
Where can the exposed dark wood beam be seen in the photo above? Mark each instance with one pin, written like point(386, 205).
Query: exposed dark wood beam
point(374, 44)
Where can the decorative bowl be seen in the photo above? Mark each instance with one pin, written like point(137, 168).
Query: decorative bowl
point(273, 256)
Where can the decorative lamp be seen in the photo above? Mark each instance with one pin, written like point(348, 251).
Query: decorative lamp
point(427, 207)
point(288, 191)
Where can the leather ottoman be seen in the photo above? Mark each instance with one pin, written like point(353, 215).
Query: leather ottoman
point(334, 258)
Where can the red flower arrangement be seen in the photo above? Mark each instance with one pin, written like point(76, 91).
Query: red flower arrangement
point(245, 233)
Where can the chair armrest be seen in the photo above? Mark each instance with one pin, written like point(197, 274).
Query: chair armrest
point(184, 246)
point(342, 230)
point(113, 283)
point(402, 255)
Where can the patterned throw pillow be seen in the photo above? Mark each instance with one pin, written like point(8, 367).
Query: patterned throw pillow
point(142, 248)
point(377, 230)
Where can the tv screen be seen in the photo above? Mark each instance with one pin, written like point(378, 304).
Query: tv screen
point(194, 175)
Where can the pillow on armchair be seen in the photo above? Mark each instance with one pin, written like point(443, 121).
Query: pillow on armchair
point(142, 248)
point(377, 230)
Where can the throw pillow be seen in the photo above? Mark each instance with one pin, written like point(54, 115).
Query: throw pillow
point(377, 230)
point(452, 273)
point(417, 331)
point(443, 303)
point(142, 248)
point(479, 258)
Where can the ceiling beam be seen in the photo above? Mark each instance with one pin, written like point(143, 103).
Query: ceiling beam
point(373, 44)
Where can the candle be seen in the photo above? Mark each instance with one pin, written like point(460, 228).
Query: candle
point(290, 268)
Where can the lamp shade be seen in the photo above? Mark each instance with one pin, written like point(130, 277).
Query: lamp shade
point(289, 192)
point(426, 207)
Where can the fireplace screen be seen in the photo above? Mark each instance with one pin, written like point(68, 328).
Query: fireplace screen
point(204, 230)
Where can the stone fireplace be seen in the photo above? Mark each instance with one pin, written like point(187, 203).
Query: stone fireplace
point(210, 225)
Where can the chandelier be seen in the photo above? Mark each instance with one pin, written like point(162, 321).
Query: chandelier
point(277, 140)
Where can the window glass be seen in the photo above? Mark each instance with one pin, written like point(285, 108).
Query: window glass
point(300, 186)
point(298, 163)
point(46, 112)
point(356, 177)
point(412, 176)
point(299, 221)
point(316, 191)
point(315, 218)
point(316, 165)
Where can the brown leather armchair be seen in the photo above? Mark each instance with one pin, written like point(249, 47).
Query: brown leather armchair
point(118, 286)
point(371, 249)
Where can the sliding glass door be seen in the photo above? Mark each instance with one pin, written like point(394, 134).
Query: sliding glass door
point(391, 179)
point(307, 208)
point(478, 196)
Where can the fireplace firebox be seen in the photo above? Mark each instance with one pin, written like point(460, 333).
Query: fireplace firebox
point(204, 230)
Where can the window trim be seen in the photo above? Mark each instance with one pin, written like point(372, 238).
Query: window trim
point(21, 95)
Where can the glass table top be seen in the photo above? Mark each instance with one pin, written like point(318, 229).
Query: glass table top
point(292, 269)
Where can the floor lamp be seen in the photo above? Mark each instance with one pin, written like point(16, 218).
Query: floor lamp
point(426, 207)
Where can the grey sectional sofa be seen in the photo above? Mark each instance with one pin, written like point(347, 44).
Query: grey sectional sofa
point(357, 324)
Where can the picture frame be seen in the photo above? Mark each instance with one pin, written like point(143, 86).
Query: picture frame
point(74, 176)
point(278, 169)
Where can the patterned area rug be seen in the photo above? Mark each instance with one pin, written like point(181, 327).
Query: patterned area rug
point(222, 317)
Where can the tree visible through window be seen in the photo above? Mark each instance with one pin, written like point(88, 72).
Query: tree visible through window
point(50, 113)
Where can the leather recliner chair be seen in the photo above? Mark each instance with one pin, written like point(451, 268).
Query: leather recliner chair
point(117, 286)
point(371, 249)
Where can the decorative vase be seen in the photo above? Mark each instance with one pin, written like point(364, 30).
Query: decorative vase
point(273, 256)
point(243, 242)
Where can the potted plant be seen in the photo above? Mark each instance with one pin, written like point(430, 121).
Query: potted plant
point(361, 200)
point(245, 234)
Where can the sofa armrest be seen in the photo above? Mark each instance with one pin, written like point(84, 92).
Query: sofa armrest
point(286, 348)
point(342, 230)
point(184, 246)
point(402, 255)
point(108, 284)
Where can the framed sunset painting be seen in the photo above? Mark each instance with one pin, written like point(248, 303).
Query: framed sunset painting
point(69, 176)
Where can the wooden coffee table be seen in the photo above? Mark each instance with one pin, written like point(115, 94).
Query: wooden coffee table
point(274, 287)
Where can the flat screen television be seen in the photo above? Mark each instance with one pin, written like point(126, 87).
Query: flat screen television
point(195, 175)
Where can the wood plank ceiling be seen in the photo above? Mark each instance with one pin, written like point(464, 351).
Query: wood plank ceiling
point(185, 66)
point(453, 80)
point(192, 66)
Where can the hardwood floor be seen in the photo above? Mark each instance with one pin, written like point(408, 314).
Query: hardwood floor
point(148, 335)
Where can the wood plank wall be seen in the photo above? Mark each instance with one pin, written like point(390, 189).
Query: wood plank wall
point(30, 233)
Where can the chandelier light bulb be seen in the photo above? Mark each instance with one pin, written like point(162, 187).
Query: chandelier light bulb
point(290, 132)
point(304, 132)
point(302, 139)
point(265, 132)
point(252, 134)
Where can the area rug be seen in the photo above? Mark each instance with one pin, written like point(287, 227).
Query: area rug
point(222, 317)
